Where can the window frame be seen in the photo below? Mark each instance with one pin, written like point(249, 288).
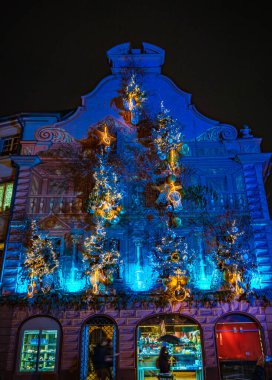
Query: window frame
point(41, 323)
point(14, 146)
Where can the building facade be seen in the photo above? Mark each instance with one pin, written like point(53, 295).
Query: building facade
point(131, 219)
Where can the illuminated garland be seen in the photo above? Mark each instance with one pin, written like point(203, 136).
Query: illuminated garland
point(40, 261)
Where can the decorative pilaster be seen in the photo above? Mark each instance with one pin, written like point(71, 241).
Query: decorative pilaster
point(13, 249)
point(253, 165)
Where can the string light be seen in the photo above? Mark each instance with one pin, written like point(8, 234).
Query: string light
point(133, 95)
point(40, 261)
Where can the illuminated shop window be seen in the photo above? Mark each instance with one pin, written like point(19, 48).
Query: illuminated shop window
point(5, 196)
point(39, 345)
point(10, 145)
point(182, 339)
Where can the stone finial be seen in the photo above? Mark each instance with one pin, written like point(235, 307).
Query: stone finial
point(245, 132)
point(149, 58)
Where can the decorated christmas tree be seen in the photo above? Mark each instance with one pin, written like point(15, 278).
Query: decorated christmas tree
point(101, 258)
point(106, 196)
point(231, 254)
point(40, 260)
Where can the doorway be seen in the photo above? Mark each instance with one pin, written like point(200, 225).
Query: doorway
point(239, 345)
point(97, 330)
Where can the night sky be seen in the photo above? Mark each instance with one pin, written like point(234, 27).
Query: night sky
point(52, 52)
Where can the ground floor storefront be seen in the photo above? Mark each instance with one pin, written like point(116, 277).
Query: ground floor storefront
point(203, 343)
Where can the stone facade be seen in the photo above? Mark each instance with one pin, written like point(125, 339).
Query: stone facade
point(234, 164)
point(72, 323)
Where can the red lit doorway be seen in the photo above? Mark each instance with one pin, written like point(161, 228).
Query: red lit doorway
point(239, 345)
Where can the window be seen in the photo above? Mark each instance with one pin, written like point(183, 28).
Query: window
point(5, 196)
point(39, 345)
point(10, 145)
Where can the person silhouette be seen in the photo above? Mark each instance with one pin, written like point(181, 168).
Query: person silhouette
point(259, 372)
point(99, 360)
point(164, 360)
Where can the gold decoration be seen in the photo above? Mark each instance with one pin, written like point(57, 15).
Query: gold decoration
point(233, 278)
point(175, 285)
point(105, 138)
point(173, 158)
point(180, 293)
point(175, 257)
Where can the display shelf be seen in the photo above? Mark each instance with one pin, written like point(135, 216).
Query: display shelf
point(39, 351)
point(185, 355)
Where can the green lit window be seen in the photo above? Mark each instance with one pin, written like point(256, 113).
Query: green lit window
point(5, 196)
point(39, 347)
point(29, 353)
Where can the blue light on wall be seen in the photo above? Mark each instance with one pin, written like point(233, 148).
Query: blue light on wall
point(73, 282)
point(204, 283)
point(22, 286)
point(256, 281)
point(140, 278)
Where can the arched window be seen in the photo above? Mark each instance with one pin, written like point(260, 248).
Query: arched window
point(39, 345)
point(182, 338)
point(239, 345)
point(99, 331)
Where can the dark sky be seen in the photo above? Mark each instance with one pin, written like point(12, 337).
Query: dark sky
point(52, 52)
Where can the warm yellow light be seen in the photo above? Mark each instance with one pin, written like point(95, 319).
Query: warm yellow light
point(173, 158)
point(95, 288)
point(94, 277)
point(105, 138)
point(174, 196)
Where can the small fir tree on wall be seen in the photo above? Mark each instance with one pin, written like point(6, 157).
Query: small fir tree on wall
point(228, 245)
point(40, 260)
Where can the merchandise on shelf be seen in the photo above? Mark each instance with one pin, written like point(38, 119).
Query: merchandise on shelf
point(38, 351)
point(185, 354)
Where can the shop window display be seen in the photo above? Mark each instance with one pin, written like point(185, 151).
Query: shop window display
point(39, 351)
point(182, 339)
point(39, 347)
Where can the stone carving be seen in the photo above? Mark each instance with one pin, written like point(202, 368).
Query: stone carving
point(220, 132)
point(56, 135)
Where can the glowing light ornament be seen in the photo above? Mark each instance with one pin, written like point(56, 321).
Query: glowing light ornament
point(180, 293)
point(170, 192)
point(133, 98)
point(175, 286)
point(105, 138)
point(41, 260)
